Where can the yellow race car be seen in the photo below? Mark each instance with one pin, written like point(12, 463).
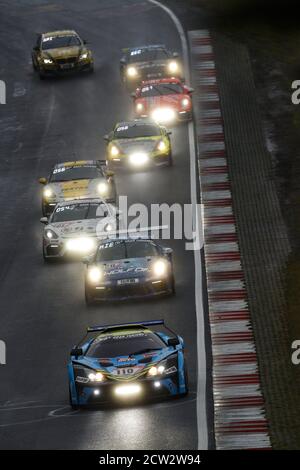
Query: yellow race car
point(137, 145)
point(60, 52)
point(83, 179)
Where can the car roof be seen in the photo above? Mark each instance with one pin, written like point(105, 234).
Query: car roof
point(63, 32)
point(75, 163)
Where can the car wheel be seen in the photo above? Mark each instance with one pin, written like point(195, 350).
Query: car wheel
point(42, 76)
point(186, 380)
point(74, 407)
point(170, 160)
point(173, 287)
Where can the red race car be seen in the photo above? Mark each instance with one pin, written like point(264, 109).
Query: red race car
point(165, 101)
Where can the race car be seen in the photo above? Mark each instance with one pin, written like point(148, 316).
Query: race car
point(125, 363)
point(78, 179)
point(148, 62)
point(60, 52)
point(75, 228)
point(138, 144)
point(165, 101)
point(129, 268)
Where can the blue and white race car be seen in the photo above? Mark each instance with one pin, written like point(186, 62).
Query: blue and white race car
point(127, 362)
point(129, 268)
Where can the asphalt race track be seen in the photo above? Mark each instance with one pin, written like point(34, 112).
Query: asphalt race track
point(43, 312)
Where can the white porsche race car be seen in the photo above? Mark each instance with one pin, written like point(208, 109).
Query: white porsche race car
point(75, 227)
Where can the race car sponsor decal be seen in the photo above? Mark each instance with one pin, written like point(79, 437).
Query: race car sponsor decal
point(127, 370)
point(74, 188)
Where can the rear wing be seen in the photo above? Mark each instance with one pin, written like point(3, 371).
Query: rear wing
point(145, 324)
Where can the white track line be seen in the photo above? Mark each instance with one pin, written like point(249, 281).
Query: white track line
point(201, 352)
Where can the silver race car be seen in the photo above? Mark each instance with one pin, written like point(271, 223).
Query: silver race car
point(75, 228)
point(80, 179)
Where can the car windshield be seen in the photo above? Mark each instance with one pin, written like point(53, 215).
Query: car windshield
point(55, 42)
point(124, 344)
point(121, 249)
point(79, 211)
point(136, 130)
point(161, 89)
point(147, 55)
point(68, 173)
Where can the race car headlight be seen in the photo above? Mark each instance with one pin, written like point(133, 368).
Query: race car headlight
point(139, 107)
point(138, 159)
point(48, 61)
point(173, 66)
point(81, 245)
point(156, 370)
point(95, 275)
point(163, 115)
point(48, 193)
point(96, 377)
point(50, 234)
point(132, 72)
point(103, 188)
point(84, 375)
point(159, 268)
point(185, 102)
point(114, 151)
point(161, 146)
point(83, 56)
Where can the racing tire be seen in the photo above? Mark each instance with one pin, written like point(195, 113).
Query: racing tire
point(173, 287)
point(74, 407)
point(170, 160)
point(186, 380)
point(42, 75)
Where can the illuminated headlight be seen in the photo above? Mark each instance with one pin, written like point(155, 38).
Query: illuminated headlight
point(156, 370)
point(138, 159)
point(128, 390)
point(48, 193)
point(163, 115)
point(83, 56)
point(103, 188)
point(139, 107)
point(160, 268)
point(185, 102)
point(95, 275)
point(132, 72)
point(48, 61)
point(80, 245)
point(162, 147)
point(173, 67)
point(50, 234)
point(108, 227)
point(96, 377)
point(114, 151)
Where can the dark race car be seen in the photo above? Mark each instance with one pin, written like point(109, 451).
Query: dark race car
point(125, 363)
point(149, 62)
point(129, 268)
point(137, 145)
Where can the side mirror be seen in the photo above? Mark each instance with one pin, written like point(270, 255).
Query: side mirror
point(106, 137)
point(87, 259)
point(175, 54)
point(169, 132)
point(123, 61)
point(190, 90)
point(173, 342)
point(44, 220)
point(36, 48)
point(133, 94)
point(76, 352)
point(110, 173)
point(43, 181)
point(167, 251)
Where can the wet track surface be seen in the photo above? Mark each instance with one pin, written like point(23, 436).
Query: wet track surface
point(43, 312)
